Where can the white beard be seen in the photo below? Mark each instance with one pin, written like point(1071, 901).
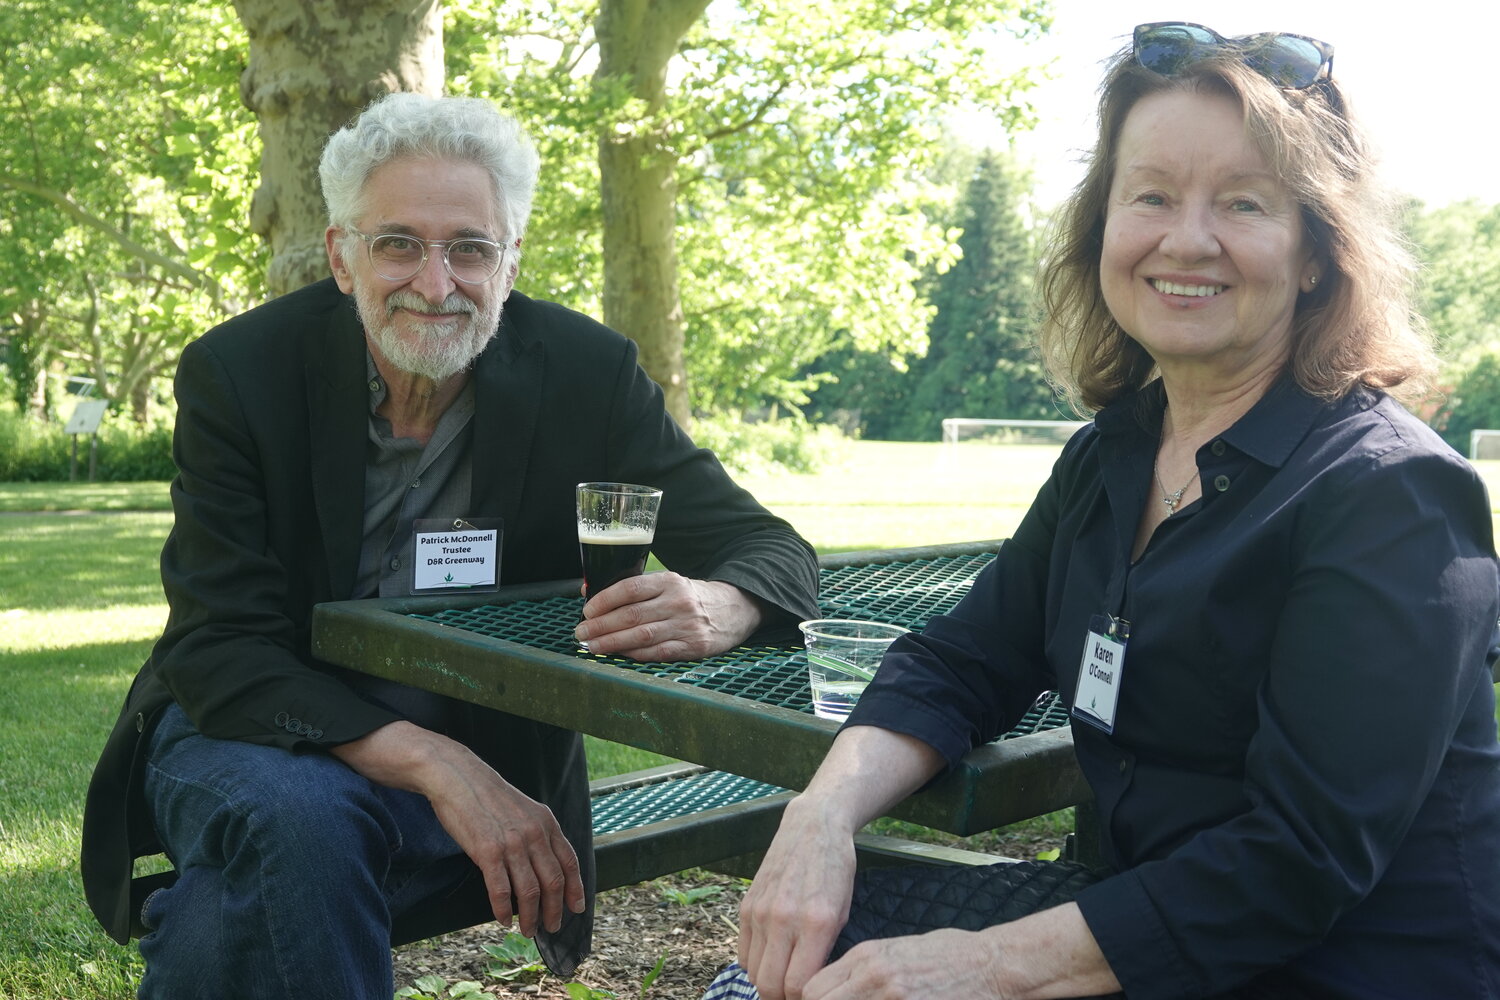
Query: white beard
point(443, 349)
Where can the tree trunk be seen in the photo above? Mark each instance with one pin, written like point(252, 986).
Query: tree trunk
point(313, 65)
point(638, 187)
point(28, 360)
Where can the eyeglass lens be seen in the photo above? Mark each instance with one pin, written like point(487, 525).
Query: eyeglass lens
point(1289, 61)
point(397, 257)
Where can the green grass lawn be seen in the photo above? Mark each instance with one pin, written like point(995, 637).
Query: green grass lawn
point(80, 605)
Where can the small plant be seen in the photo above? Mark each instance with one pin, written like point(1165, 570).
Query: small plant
point(688, 897)
point(436, 988)
point(661, 963)
point(513, 957)
point(578, 991)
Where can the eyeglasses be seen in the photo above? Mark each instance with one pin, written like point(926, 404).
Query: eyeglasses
point(1292, 62)
point(398, 257)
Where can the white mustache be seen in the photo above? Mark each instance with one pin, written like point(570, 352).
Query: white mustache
point(412, 302)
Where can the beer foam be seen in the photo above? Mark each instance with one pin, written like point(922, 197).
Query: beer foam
point(615, 534)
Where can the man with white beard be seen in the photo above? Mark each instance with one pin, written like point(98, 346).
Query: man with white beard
point(304, 807)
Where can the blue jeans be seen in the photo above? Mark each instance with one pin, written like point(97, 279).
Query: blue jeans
point(291, 868)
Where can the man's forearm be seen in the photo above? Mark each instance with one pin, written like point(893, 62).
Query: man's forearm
point(397, 755)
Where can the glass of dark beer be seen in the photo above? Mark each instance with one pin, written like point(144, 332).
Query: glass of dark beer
point(616, 525)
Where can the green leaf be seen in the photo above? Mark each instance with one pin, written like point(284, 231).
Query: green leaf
point(514, 956)
point(661, 963)
point(687, 897)
point(433, 984)
point(578, 991)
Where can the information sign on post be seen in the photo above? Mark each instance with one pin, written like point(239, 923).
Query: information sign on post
point(86, 416)
point(85, 420)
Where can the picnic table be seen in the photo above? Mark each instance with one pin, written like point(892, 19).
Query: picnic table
point(745, 716)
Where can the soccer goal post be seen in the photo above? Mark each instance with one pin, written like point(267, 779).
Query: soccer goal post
point(1000, 431)
point(1484, 444)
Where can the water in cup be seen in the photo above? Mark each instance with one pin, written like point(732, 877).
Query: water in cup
point(842, 657)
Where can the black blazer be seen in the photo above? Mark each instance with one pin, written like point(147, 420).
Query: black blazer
point(269, 510)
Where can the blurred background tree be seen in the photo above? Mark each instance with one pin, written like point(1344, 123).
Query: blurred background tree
point(797, 141)
point(124, 191)
point(980, 359)
point(832, 246)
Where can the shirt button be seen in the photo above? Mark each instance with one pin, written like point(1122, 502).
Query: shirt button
point(1123, 766)
point(416, 482)
point(1221, 483)
point(374, 385)
point(395, 563)
point(1218, 448)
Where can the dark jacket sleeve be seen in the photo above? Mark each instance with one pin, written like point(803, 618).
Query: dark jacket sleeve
point(235, 652)
point(709, 527)
point(561, 399)
point(971, 674)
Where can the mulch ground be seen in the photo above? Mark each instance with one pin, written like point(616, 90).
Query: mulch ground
point(634, 927)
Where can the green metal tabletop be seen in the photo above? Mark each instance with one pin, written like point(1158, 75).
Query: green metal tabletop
point(747, 711)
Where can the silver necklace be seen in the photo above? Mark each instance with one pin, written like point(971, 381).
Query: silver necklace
point(1172, 498)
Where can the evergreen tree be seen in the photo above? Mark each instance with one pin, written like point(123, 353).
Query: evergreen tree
point(981, 357)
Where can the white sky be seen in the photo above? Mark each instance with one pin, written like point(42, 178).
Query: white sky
point(1421, 76)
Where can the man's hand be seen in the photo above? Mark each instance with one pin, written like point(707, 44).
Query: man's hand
point(798, 902)
point(529, 867)
point(667, 617)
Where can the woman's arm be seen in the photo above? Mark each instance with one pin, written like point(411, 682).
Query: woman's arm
point(800, 898)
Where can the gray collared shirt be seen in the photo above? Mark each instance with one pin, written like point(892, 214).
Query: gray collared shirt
point(406, 481)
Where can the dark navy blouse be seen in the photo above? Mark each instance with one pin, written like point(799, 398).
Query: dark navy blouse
point(1303, 776)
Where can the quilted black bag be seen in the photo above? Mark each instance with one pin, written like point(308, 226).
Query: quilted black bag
point(892, 902)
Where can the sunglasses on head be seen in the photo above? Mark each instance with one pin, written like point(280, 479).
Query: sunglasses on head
point(1292, 62)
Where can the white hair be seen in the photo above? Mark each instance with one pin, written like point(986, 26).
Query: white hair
point(450, 128)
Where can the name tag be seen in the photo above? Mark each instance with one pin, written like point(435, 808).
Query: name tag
point(461, 556)
point(1099, 676)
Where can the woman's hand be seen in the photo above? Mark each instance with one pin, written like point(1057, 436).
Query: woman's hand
point(943, 963)
point(1048, 954)
point(798, 902)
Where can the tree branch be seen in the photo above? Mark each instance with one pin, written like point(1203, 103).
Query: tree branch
point(755, 118)
point(193, 276)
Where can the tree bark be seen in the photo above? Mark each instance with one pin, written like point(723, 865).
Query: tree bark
point(638, 187)
point(313, 65)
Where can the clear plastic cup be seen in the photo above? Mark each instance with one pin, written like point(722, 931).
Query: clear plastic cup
point(842, 657)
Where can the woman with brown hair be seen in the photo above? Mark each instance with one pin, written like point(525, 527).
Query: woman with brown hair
point(1265, 590)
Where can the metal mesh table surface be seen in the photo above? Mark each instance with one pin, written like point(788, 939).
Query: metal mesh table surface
point(634, 807)
point(907, 593)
